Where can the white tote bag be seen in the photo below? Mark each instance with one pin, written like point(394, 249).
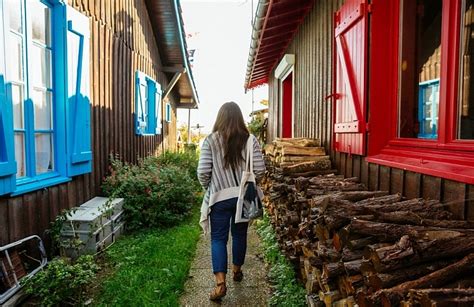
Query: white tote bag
point(249, 203)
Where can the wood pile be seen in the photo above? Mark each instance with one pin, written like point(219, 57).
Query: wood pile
point(369, 248)
point(298, 157)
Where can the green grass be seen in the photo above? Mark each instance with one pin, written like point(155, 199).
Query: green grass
point(287, 291)
point(150, 268)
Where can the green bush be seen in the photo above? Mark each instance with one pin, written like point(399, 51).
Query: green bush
point(158, 192)
point(62, 282)
point(286, 290)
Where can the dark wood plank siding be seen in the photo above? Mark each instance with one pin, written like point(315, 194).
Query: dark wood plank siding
point(122, 41)
point(459, 196)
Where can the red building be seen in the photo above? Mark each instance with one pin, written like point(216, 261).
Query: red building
point(385, 85)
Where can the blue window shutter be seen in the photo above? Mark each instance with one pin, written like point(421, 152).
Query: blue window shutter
point(141, 101)
point(168, 112)
point(151, 125)
point(78, 108)
point(158, 108)
point(7, 154)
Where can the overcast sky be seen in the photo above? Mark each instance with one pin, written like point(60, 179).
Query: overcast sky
point(220, 32)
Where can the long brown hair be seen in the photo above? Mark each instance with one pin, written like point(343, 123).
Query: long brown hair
point(231, 126)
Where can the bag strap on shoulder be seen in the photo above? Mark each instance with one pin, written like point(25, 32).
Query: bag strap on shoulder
point(249, 157)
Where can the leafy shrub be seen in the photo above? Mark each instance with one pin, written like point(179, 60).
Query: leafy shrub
point(158, 192)
point(286, 290)
point(62, 281)
point(256, 127)
point(188, 161)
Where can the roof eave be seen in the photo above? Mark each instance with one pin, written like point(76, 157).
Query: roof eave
point(184, 52)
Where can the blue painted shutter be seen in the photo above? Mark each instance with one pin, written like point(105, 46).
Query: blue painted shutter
point(78, 108)
point(158, 108)
point(7, 154)
point(141, 109)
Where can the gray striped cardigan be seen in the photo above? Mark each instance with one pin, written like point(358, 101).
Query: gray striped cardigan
point(219, 182)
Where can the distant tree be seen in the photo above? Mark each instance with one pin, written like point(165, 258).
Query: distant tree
point(195, 137)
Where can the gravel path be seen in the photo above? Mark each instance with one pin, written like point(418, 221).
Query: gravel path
point(252, 291)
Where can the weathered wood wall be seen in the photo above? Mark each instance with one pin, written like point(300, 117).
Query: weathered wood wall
point(313, 49)
point(122, 41)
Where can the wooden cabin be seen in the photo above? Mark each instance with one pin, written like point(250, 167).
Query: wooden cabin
point(80, 81)
point(385, 85)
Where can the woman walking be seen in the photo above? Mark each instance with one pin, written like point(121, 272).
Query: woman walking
point(220, 170)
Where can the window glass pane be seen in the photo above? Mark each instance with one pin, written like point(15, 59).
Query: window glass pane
point(17, 101)
point(15, 61)
point(43, 111)
point(41, 66)
point(466, 96)
point(13, 8)
point(40, 22)
point(420, 49)
point(44, 152)
point(20, 154)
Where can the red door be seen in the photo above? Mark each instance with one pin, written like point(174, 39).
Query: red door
point(351, 28)
point(287, 106)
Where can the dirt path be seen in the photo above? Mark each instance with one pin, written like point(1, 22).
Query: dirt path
point(252, 291)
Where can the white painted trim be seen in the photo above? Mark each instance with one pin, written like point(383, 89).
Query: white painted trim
point(284, 67)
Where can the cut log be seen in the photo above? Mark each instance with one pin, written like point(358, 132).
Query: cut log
point(393, 296)
point(323, 164)
point(313, 173)
point(334, 269)
point(349, 284)
point(382, 200)
point(441, 297)
point(392, 232)
point(312, 300)
point(345, 302)
point(409, 252)
point(305, 142)
point(269, 149)
point(302, 151)
point(358, 195)
point(296, 159)
point(420, 219)
point(329, 297)
point(377, 281)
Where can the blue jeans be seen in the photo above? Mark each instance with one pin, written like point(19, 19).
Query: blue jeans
point(222, 218)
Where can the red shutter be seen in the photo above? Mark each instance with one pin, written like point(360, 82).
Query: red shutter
point(351, 65)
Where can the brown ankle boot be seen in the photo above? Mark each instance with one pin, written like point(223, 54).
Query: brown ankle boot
point(238, 276)
point(218, 292)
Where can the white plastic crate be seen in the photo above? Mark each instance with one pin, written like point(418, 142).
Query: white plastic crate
point(95, 225)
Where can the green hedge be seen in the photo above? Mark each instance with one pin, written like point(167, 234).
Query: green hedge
point(158, 192)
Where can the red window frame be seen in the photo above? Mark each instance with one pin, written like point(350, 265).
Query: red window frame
point(446, 157)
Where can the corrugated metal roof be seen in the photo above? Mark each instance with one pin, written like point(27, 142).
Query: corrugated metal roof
point(274, 27)
point(167, 23)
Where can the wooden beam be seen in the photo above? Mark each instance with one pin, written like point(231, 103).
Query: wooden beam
point(172, 83)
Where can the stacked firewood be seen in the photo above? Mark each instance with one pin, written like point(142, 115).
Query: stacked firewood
point(353, 246)
point(298, 157)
